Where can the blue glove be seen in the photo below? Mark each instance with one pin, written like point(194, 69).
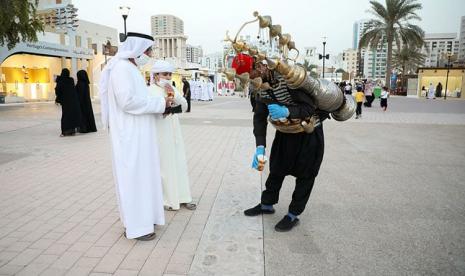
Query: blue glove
point(259, 151)
point(278, 111)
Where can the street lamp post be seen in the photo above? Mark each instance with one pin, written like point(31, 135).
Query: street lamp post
point(124, 12)
point(449, 54)
point(324, 56)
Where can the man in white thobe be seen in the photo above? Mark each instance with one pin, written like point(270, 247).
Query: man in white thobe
point(128, 110)
point(211, 87)
point(193, 90)
point(204, 91)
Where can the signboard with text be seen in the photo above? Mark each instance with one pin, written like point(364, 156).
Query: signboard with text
point(44, 48)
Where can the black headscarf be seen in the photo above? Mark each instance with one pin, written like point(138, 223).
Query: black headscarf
point(65, 73)
point(87, 113)
point(82, 76)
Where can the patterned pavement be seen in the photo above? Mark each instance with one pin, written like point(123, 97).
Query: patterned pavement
point(58, 212)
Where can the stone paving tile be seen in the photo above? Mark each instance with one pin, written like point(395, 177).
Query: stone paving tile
point(54, 221)
point(10, 269)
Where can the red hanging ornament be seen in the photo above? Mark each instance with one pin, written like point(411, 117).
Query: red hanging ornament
point(242, 63)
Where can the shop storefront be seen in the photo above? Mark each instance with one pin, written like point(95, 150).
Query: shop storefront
point(455, 81)
point(28, 71)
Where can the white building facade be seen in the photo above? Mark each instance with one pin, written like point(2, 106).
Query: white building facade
point(374, 62)
point(28, 71)
point(436, 47)
point(213, 62)
point(170, 41)
point(194, 54)
point(461, 54)
point(358, 30)
point(349, 61)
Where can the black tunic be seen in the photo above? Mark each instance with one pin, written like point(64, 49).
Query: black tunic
point(296, 154)
point(87, 114)
point(66, 96)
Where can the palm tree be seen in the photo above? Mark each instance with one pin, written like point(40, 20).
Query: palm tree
point(391, 24)
point(409, 58)
point(19, 22)
point(310, 68)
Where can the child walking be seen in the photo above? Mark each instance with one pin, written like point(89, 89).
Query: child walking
point(359, 97)
point(384, 98)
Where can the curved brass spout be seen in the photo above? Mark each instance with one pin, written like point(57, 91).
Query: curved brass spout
point(263, 21)
point(242, 27)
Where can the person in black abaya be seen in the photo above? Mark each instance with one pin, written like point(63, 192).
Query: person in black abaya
point(67, 97)
point(87, 113)
point(186, 90)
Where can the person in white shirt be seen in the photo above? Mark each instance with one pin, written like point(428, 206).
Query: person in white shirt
point(210, 88)
point(129, 112)
point(174, 172)
point(431, 91)
point(384, 97)
point(348, 88)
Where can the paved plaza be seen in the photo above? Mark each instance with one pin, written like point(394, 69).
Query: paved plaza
point(389, 199)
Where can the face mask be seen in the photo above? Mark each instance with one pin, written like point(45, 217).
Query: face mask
point(142, 60)
point(163, 82)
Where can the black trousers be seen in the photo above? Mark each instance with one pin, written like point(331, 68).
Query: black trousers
point(358, 111)
point(300, 196)
point(188, 104)
point(299, 155)
point(252, 102)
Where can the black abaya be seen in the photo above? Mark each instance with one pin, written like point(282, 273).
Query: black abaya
point(87, 114)
point(66, 96)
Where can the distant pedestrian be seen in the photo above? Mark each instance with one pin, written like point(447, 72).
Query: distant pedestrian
point(384, 98)
point(67, 97)
point(439, 90)
point(348, 89)
point(342, 85)
point(359, 96)
point(369, 95)
point(186, 90)
point(424, 92)
point(210, 89)
point(87, 113)
point(431, 91)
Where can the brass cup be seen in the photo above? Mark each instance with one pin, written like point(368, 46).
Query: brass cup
point(264, 21)
point(275, 30)
point(284, 39)
point(230, 73)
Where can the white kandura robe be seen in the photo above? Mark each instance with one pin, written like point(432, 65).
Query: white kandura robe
point(174, 172)
point(136, 163)
point(431, 92)
point(204, 92)
point(211, 88)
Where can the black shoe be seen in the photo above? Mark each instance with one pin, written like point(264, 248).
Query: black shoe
point(286, 224)
point(257, 210)
point(147, 237)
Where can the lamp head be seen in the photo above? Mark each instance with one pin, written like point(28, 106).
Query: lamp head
point(124, 10)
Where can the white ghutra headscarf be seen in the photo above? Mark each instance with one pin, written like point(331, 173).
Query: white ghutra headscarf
point(134, 46)
point(162, 66)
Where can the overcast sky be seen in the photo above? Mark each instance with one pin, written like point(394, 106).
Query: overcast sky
point(206, 21)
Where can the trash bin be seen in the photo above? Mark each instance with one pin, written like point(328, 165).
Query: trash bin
point(2, 98)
